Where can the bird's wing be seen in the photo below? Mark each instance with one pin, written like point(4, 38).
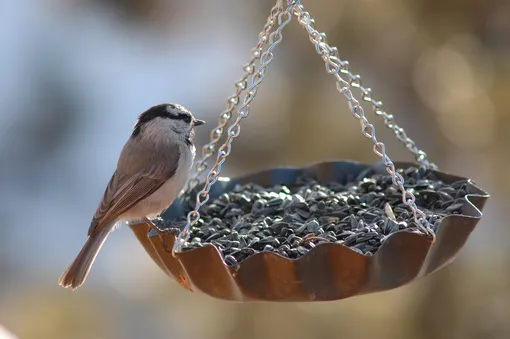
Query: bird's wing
point(134, 184)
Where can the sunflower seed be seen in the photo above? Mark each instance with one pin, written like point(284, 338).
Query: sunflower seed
point(359, 212)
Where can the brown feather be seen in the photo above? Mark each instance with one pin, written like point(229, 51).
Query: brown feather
point(138, 179)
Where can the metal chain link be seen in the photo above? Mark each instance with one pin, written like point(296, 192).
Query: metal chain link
point(216, 133)
point(389, 119)
point(333, 67)
point(284, 17)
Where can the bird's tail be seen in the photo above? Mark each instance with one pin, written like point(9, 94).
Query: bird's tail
point(77, 272)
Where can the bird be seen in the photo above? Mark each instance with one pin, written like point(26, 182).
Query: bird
point(152, 169)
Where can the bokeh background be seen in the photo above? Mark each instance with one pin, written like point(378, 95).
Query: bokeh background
point(75, 74)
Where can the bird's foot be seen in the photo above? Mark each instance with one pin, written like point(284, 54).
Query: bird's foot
point(153, 226)
point(150, 222)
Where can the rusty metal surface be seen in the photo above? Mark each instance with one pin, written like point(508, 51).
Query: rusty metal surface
point(327, 272)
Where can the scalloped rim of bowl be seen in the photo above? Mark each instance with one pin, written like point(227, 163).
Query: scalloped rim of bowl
point(475, 212)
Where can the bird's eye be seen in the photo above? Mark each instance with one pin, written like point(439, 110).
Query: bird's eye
point(186, 118)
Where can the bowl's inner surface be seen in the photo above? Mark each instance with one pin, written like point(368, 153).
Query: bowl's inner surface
point(339, 171)
point(289, 211)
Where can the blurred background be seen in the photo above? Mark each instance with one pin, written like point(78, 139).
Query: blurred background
point(75, 75)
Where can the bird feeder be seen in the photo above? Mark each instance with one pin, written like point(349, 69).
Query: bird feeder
point(326, 231)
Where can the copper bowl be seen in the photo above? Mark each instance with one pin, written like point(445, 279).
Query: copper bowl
point(327, 272)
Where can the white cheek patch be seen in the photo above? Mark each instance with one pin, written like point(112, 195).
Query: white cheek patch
point(180, 126)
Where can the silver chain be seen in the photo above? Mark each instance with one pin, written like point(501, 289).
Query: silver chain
point(283, 12)
point(333, 67)
point(241, 85)
point(389, 119)
point(284, 17)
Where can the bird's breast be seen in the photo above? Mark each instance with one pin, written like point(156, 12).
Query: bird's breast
point(166, 194)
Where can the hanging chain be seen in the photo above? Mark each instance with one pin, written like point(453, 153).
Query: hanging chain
point(284, 17)
point(333, 67)
point(241, 85)
point(282, 11)
point(389, 120)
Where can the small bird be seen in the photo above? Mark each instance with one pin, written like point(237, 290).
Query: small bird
point(152, 169)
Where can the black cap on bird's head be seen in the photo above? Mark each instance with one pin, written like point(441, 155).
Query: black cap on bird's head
point(167, 111)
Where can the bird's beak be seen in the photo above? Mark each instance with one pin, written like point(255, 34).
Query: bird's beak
point(198, 122)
